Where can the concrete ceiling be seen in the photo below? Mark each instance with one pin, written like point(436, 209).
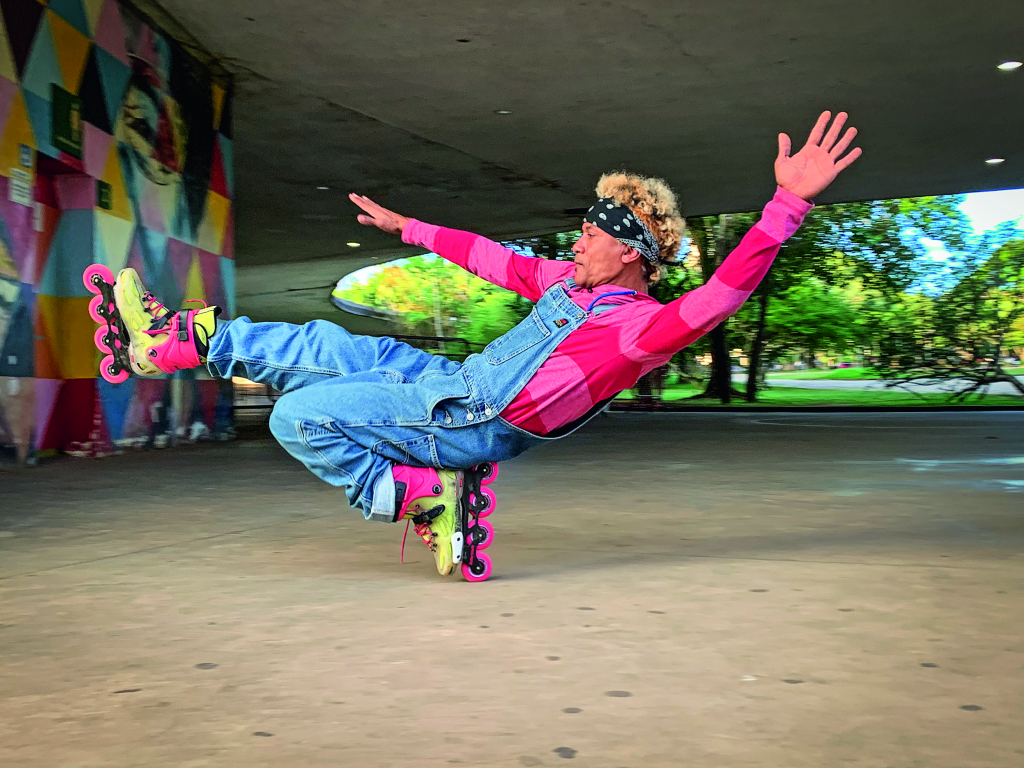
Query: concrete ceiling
point(399, 101)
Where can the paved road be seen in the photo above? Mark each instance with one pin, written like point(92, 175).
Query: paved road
point(863, 384)
point(712, 590)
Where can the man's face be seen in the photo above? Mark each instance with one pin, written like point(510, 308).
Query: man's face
point(600, 258)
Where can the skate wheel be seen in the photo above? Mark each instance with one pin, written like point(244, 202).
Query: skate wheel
point(488, 472)
point(480, 570)
point(100, 340)
point(482, 535)
point(95, 274)
point(95, 310)
point(111, 371)
point(492, 502)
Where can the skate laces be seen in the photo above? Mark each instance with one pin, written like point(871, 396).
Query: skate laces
point(171, 322)
point(423, 531)
point(152, 304)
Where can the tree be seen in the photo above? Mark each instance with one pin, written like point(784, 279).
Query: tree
point(437, 298)
point(715, 237)
point(879, 245)
point(811, 317)
point(961, 335)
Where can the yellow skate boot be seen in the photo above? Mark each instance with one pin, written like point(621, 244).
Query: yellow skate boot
point(430, 499)
point(161, 341)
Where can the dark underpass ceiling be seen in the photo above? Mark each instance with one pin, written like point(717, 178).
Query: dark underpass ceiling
point(405, 102)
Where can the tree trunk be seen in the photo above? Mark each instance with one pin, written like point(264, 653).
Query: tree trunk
point(1010, 379)
point(720, 385)
point(754, 369)
point(713, 250)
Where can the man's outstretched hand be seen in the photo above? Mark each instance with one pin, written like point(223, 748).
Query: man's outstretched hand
point(818, 162)
point(378, 216)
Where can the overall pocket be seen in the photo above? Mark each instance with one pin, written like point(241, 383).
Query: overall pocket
point(416, 451)
point(527, 334)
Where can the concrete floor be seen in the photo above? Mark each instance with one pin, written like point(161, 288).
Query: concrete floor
point(711, 589)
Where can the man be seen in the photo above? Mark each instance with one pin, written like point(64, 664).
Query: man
point(393, 425)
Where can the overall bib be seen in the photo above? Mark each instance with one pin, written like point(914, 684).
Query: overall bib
point(355, 405)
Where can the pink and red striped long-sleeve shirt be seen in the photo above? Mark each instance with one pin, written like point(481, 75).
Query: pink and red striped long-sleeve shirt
point(610, 351)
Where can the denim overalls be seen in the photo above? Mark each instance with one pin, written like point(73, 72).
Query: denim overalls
point(354, 405)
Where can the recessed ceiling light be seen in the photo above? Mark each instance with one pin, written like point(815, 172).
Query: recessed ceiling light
point(352, 245)
point(1009, 66)
point(322, 189)
point(503, 111)
point(995, 160)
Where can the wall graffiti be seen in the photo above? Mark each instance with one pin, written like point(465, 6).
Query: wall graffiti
point(115, 147)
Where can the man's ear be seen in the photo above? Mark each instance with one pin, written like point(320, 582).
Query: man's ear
point(630, 255)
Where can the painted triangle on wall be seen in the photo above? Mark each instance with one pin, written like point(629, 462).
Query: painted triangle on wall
point(7, 68)
point(7, 91)
point(45, 361)
point(38, 110)
point(227, 156)
point(227, 247)
point(21, 18)
point(94, 100)
point(211, 233)
point(114, 77)
point(17, 132)
point(114, 235)
point(43, 67)
point(96, 150)
point(93, 8)
point(110, 32)
point(72, 51)
point(73, 12)
point(120, 205)
point(218, 179)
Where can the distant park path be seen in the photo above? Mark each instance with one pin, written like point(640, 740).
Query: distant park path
point(863, 384)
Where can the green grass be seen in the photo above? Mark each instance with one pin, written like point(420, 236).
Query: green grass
point(822, 373)
point(788, 396)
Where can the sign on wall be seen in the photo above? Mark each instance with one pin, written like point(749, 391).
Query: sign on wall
point(21, 186)
point(67, 121)
point(104, 195)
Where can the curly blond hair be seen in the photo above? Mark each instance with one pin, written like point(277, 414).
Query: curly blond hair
point(654, 203)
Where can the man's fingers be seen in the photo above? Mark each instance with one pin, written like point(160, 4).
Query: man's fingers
point(833, 132)
point(845, 162)
point(367, 204)
point(367, 220)
point(844, 142)
point(362, 202)
point(819, 129)
point(784, 146)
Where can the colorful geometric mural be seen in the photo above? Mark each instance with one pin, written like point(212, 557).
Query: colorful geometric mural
point(115, 147)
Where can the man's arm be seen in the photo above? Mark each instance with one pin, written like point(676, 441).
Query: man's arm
point(529, 277)
point(800, 177)
point(683, 321)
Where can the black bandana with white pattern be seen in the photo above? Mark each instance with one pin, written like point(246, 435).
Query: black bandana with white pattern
point(622, 224)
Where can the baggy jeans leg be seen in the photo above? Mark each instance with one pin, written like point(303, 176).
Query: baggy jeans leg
point(350, 432)
point(289, 357)
point(339, 430)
